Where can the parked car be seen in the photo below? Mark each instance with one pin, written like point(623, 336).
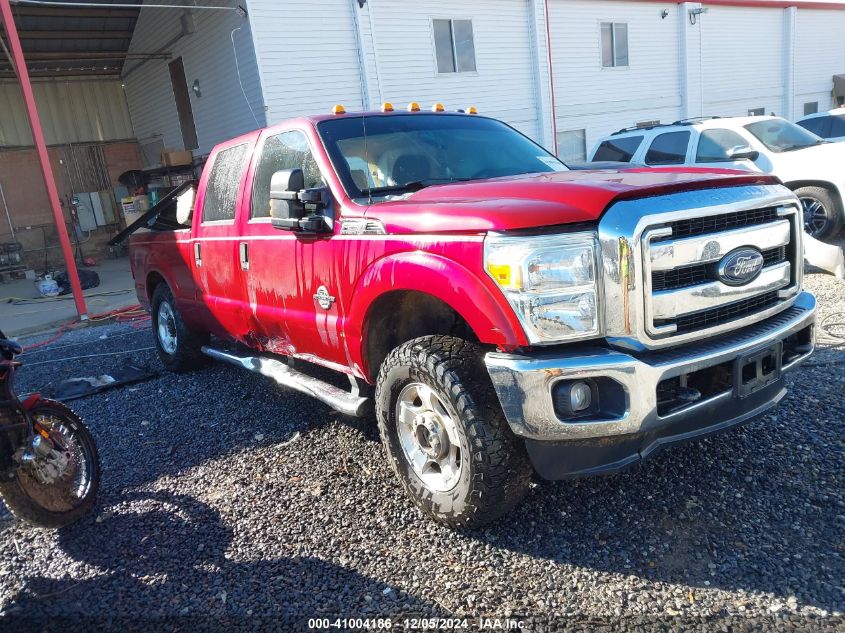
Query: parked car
point(828, 125)
point(498, 310)
point(807, 164)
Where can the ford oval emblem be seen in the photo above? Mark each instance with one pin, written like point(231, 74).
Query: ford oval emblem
point(740, 266)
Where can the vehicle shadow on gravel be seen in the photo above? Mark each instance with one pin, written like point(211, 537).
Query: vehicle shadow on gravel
point(162, 558)
point(758, 508)
point(175, 422)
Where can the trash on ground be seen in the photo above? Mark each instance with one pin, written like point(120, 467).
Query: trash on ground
point(73, 388)
point(87, 279)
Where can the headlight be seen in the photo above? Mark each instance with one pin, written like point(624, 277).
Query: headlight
point(550, 281)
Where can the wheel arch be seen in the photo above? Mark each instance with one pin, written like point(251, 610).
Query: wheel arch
point(153, 279)
point(408, 295)
point(824, 184)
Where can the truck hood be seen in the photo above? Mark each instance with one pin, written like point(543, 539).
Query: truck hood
point(539, 200)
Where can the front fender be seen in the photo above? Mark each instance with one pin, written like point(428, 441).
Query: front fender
point(31, 401)
point(476, 299)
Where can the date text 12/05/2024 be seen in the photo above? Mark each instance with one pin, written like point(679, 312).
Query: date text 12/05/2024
point(418, 624)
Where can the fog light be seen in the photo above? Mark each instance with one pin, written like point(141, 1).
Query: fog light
point(573, 397)
point(580, 396)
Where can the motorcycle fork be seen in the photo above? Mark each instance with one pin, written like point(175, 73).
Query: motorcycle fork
point(18, 410)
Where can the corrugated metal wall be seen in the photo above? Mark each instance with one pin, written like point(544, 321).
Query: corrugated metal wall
point(71, 110)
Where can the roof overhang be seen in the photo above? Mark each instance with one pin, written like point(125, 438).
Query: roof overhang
point(66, 41)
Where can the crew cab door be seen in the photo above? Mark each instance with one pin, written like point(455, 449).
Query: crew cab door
point(214, 258)
point(282, 271)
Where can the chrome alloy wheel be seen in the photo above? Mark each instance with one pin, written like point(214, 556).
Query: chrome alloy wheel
point(816, 216)
point(167, 327)
point(429, 437)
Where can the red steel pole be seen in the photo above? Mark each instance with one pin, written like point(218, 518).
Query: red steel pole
point(43, 157)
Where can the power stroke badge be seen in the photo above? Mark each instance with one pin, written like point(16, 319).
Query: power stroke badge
point(323, 298)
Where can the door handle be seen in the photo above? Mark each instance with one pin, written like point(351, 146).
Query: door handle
point(197, 254)
point(243, 250)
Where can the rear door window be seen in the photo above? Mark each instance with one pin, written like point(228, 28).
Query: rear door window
point(618, 149)
point(221, 190)
point(837, 126)
point(669, 148)
point(816, 125)
point(714, 146)
point(288, 150)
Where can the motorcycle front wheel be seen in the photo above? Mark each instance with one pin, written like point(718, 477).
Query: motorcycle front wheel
point(59, 488)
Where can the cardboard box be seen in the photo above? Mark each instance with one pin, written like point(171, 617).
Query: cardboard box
point(174, 158)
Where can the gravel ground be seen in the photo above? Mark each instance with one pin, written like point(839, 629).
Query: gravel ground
point(228, 500)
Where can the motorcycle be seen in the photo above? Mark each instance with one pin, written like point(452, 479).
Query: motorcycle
point(49, 466)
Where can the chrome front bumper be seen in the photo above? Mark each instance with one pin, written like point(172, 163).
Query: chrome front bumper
point(524, 383)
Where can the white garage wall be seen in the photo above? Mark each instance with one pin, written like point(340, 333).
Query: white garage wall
point(221, 112)
point(602, 100)
point(307, 56)
point(504, 85)
point(819, 54)
point(743, 63)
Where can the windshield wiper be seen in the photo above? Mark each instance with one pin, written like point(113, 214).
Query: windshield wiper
point(409, 187)
point(792, 148)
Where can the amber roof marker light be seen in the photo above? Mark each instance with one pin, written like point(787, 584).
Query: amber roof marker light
point(413, 107)
point(338, 109)
point(472, 110)
point(438, 107)
point(387, 107)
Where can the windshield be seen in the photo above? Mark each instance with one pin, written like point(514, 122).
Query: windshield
point(404, 152)
point(779, 135)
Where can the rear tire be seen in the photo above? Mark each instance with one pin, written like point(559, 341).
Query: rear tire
point(822, 213)
point(470, 470)
point(179, 347)
point(14, 493)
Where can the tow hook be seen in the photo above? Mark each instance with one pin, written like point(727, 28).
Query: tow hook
point(678, 397)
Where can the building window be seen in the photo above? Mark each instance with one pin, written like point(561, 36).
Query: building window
point(454, 46)
point(572, 146)
point(811, 108)
point(614, 44)
point(757, 112)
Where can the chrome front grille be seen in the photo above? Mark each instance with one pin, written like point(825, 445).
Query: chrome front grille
point(722, 222)
point(697, 301)
point(662, 255)
point(700, 273)
point(722, 314)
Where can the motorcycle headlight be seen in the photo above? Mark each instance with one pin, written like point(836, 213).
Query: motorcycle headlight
point(550, 281)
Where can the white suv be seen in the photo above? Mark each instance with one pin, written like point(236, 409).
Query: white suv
point(812, 167)
point(829, 125)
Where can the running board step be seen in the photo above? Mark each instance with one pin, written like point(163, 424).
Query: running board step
point(338, 399)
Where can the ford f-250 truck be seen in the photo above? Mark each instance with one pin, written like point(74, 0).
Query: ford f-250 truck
point(501, 312)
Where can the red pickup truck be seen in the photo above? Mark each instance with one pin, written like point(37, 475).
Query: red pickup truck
point(501, 312)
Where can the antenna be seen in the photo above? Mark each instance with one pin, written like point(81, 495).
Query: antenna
point(367, 158)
